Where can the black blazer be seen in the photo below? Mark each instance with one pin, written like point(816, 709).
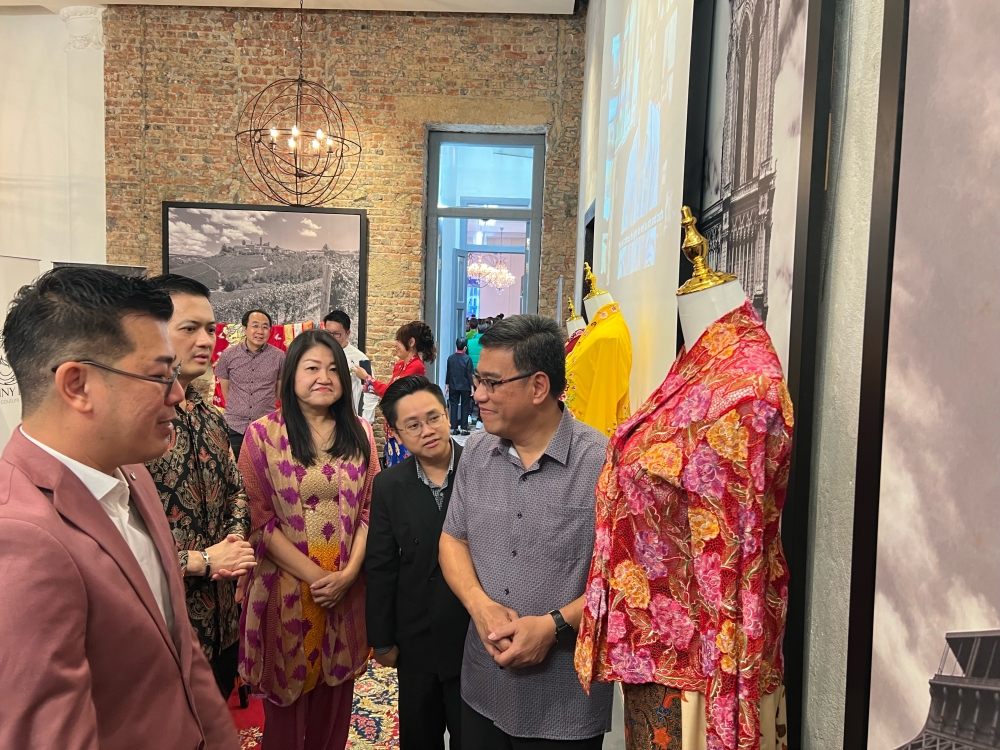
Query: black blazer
point(409, 603)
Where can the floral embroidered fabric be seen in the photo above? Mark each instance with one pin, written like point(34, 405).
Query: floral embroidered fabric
point(688, 586)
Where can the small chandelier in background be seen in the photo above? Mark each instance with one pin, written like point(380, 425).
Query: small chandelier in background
point(297, 142)
point(483, 273)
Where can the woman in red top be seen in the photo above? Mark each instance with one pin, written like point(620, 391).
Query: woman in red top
point(414, 346)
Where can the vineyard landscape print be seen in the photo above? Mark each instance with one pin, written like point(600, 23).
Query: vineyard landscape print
point(271, 260)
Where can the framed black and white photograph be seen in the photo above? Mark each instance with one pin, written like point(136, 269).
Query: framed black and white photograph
point(297, 263)
point(924, 645)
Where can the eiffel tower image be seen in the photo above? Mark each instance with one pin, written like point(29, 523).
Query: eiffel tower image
point(965, 696)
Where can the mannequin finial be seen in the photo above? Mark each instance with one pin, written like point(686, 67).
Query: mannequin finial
point(572, 310)
point(695, 249)
point(588, 274)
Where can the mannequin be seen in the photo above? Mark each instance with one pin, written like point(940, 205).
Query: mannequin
point(599, 362)
point(597, 298)
point(688, 587)
point(575, 322)
point(708, 295)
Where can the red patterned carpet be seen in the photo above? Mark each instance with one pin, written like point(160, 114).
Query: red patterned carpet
point(374, 725)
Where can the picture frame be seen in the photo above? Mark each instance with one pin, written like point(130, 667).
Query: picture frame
point(718, 31)
point(276, 258)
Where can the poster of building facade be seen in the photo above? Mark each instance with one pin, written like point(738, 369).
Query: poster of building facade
point(935, 673)
point(289, 262)
point(751, 187)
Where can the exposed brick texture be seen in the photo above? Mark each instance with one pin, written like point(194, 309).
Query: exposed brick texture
point(176, 80)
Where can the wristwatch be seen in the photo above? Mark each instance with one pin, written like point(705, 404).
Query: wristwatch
point(565, 635)
point(208, 565)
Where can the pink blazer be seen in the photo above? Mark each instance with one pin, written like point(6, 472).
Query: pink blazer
point(86, 660)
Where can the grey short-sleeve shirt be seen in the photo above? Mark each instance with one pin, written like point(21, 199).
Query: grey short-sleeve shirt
point(531, 536)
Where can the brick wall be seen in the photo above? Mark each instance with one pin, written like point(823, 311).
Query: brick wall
point(176, 80)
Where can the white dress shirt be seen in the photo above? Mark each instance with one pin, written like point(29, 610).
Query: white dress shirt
point(368, 401)
point(113, 494)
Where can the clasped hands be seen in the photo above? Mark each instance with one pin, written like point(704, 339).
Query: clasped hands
point(330, 588)
point(511, 640)
point(231, 558)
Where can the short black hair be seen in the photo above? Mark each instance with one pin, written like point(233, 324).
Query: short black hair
point(72, 313)
point(407, 387)
point(248, 313)
point(338, 316)
point(174, 283)
point(461, 342)
point(537, 344)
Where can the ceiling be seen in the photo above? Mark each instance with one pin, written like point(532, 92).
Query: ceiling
point(542, 7)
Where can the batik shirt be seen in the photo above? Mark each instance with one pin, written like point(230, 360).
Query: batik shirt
point(202, 495)
point(688, 586)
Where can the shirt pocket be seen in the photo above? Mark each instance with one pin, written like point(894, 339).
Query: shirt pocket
point(564, 533)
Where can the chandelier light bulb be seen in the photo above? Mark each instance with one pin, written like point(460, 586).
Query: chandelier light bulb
point(315, 144)
point(319, 134)
point(291, 143)
point(329, 141)
point(295, 130)
point(274, 133)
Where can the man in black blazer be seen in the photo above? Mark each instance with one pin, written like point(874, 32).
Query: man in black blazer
point(415, 622)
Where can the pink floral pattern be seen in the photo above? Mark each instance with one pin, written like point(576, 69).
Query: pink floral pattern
point(688, 585)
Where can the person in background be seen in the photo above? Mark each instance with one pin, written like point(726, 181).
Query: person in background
point(415, 622)
point(95, 647)
point(201, 488)
point(248, 376)
point(516, 549)
point(471, 327)
point(415, 347)
point(308, 470)
point(474, 347)
point(338, 325)
point(459, 383)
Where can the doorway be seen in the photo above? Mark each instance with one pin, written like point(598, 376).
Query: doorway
point(483, 231)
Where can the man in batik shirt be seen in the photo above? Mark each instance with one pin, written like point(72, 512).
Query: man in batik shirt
point(201, 488)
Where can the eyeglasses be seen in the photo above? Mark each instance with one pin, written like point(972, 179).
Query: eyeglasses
point(168, 382)
point(490, 385)
point(413, 429)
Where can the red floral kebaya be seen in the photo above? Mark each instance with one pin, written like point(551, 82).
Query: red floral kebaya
point(688, 587)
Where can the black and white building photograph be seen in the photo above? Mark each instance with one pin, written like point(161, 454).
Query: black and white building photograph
point(297, 264)
point(752, 151)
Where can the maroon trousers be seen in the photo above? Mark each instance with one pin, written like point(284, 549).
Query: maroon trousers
point(318, 720)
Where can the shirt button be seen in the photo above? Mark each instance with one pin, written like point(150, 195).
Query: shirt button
point(507, 592)
point(514, 553)
point(416, 541)
point(518, 515)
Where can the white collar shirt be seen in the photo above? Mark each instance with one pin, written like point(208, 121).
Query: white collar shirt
point(368, 401)
point(112, 492)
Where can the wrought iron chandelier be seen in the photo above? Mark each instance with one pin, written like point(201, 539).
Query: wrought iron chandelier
point(297, 142)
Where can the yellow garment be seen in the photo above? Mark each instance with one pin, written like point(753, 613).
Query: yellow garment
point(321, 510)
point(598, 371)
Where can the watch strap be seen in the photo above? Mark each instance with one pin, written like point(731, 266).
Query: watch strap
point(208, 564)
point(564, 631)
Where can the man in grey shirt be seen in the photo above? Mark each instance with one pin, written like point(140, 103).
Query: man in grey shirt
point(516, 548)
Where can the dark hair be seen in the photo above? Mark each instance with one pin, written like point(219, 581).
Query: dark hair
point(407, 387)
point(423, 337)
point(499, 316)
point(72, 313)
point(351, 440)
point(537, 344)
point(174, 283)
point(461, 342)
point(483, 326)
point(339, 316)
point(248, 313)
point(473, 322)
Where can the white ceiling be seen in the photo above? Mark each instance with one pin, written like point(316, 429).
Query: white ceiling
point(544, 7)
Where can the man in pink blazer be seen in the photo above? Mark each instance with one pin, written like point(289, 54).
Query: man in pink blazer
point(96, 651)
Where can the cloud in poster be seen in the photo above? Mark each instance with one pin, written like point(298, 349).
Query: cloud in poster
point(310, 223)
point(307, 233)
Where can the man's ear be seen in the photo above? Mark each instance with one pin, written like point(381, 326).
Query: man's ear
point(540, 388)
point(74, 384)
